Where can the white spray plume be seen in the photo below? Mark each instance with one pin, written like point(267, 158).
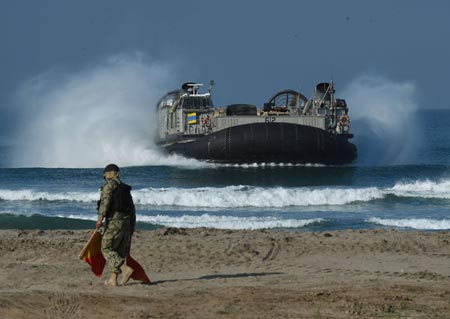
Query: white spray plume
point(102, 114)
point(383, 120)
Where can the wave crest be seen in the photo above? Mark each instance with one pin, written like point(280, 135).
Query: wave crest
point(415, 223)
point(249, 196)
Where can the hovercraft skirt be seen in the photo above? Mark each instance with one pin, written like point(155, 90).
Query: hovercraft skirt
point(266, 143)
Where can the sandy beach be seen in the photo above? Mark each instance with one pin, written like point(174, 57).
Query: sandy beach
point(207, 273)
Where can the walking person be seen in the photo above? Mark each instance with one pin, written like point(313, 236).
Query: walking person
point(117, 214)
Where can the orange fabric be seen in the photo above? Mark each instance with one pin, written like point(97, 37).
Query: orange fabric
point(92, 254)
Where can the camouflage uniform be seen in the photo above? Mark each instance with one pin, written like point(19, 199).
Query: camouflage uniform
point(118, 227)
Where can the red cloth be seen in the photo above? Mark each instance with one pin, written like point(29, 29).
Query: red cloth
point(92, 254)
point(138, 273)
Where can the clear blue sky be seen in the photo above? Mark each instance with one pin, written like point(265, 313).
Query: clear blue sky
point(250, 48)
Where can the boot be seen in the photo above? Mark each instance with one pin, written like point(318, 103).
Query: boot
point(112, 281)
point(126, 274)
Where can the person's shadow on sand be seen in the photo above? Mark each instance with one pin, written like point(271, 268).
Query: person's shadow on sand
point(220, 276)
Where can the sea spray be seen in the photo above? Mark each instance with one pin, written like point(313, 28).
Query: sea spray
point(101, 114)
point(384, 121)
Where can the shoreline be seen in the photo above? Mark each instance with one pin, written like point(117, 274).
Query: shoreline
point(9, 221)
point(210, 273)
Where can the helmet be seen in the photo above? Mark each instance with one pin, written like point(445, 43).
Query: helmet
point(111, 168)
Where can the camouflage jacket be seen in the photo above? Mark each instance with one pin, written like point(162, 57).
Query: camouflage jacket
point(106, 201)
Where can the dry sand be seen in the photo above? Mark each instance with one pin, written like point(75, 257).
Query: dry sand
point(204, 273)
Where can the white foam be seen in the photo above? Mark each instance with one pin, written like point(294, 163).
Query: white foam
point(423, 188)
point(248, 196)
point(227, 222)
point(9, 212)
point(78, 216)
point(415, 223)
point(31, 195)
point(213, 221)
point(266, 165)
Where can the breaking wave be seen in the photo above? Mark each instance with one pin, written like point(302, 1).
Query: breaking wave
point(31, 195)
point(219, 222)
point(424, 188)
point(249, 196)
point(415, 223)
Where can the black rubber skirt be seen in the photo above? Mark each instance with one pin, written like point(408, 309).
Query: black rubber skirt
point(268, 143)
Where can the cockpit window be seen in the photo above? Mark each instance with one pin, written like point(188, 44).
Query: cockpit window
point(199, 102)
point(168, 100)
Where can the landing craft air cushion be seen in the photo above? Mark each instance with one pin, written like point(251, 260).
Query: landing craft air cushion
point(289, 128)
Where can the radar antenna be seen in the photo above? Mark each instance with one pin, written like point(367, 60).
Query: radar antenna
point(191, 87)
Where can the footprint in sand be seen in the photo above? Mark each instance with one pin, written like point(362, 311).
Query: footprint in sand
point(64, 307)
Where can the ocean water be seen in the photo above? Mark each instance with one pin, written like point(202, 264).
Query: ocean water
point(400, 180)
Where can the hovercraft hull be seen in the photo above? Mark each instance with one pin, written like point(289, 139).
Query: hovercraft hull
point(276, 142)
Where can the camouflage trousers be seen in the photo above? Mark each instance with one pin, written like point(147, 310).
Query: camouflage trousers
point(115, 241)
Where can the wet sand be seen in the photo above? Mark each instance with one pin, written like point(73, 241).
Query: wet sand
point(205, 273)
